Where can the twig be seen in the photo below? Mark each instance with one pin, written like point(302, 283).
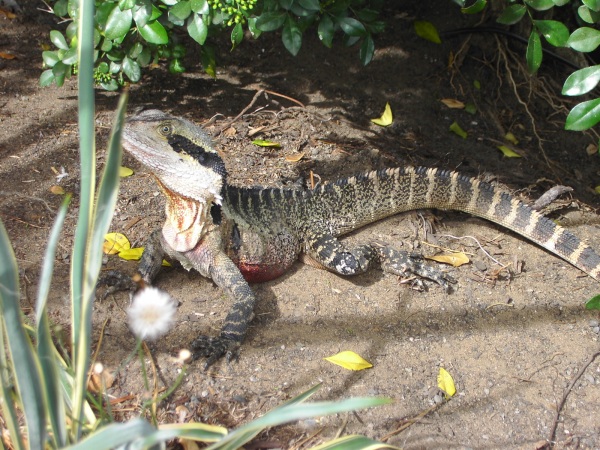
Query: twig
point(552, 434)
point(549, 196)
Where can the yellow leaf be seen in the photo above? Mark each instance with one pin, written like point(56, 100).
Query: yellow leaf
point(115, 243)
point(456, 129)
point(295, 158)
point(454, 259)
point(427, 31)
point(349, 360)
point(166, 263)
point(58, 190)
point(125, 172)
point(508, 152)
point(452, 103)
point(511, 138)
point(446, 383)
point(263, 143)
point(597, 189)
point(131, 254)
point(386, 118)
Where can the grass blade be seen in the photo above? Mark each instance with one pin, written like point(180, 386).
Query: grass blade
point(26, 371)
point(47, 353)
point(353, 442)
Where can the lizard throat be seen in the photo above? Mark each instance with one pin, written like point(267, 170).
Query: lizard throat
point(187, 220)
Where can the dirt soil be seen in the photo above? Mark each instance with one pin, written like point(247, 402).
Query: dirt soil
point(514, 339)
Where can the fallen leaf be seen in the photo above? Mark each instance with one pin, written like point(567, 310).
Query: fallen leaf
point(131, 254)
point(58, 190)
point(263, 143)
point(8, 14)
point(188, 444)
point(252, 131)
point(349, 360)
point(7, 55)
point(125, 172)
point(455, 259)
point(511, 138)
point(446, 383)
point(477, 84)
point(593, 303)
point(591, 149)
point(115, 243)
point(100, 382)
point(453, 103)
point(294, 158)
point(597, 189)
point(456, 129)
point(508, 152)
point(386, 118)
point(230, 132)
point(470, 108)
point(427, 31)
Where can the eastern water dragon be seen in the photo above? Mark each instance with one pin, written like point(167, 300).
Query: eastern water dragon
point(237, 236)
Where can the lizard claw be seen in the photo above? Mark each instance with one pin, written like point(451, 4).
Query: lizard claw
point(214, 348)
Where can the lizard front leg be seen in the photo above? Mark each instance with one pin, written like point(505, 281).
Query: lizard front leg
point(208, 259)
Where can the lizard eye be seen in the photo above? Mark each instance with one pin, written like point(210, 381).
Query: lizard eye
point(165, 129)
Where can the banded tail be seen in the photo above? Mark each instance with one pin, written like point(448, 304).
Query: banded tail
point(365, 198)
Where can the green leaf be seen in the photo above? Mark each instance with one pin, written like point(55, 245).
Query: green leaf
point(271, 21)
point(593, 303)
point(587, 15)
point(60, 8)
point(584, 115)
point(540, 5)
point(352, 27)
point(457, 129)
point(254, 31)
point(70, 56)
point(264, 143)
point(58, 40)
point(475, 7)
point(560, 2)
point(118, 23)
point(175, 66)
point(326, 31)
point(50, 58)
point(555, 32)
point(126, 4)
point(208, 61)
point(533, 54)
point(200, 6)
point(197, 29)
point(291, 36)
point(237, 34)
point(154, 33)
point(310, 5)
point(181, 10)
point(286, 4)
point(584, 39)
point(427, 31)
point(46, 78)
point(582, 81)
point(132, 69)
point(367, 50)
point(594, 5)
point(512, 14)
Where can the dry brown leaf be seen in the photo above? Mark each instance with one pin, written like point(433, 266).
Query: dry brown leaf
point(99, 382)
point(454, 259)
point(58, 190)
point(230, 132)
point(7, 55)
point(452, 103)
point(591, 149)
point(188, 444)
point(294, 158)
point(255, 130)
point(8, 14)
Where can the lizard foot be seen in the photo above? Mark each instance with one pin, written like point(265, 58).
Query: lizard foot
point(115, 281)
point(214, 348)
point(402, 263)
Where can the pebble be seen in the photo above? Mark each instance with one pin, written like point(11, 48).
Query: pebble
point(594, 323)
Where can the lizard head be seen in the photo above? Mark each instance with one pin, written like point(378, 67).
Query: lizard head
point(189, 171)
point(178, 153)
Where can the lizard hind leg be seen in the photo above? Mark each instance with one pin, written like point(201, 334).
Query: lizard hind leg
point(331, 254)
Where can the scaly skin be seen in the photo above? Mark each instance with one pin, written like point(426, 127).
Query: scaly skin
point(238, 235)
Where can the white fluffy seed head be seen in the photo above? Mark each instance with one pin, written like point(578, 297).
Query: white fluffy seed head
point(151, 313)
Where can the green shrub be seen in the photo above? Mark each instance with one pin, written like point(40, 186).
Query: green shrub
point(130, 35)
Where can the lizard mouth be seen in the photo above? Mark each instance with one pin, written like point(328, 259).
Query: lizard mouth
point(187, 220)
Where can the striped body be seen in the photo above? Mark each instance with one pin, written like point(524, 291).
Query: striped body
point(347, 204)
